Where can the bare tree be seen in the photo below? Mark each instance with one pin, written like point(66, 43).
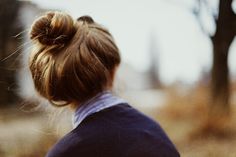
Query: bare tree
point(8, 28)
point(222, 38)
point(154, 59)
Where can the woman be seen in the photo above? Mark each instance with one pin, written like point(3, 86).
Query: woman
point(74, 62)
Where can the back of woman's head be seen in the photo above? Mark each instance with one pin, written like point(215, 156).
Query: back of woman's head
point(71, 60)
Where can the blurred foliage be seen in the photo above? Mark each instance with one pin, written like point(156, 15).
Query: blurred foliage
point(32, 134)
point(185, 118)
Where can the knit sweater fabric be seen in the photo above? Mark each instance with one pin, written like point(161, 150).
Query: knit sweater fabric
point(118, 131)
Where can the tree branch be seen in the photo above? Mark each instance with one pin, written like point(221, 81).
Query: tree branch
point(197, 11)
point(225, 23)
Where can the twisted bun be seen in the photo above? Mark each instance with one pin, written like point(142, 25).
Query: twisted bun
point(71, 60)
point(86, 19)
point(54, 28)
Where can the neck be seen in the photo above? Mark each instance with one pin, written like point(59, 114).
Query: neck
point(76, 104)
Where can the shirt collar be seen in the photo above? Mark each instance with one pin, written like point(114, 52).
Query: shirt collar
point(99, 102)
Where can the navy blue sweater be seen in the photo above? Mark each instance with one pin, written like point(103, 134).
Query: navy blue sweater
point(118, 131)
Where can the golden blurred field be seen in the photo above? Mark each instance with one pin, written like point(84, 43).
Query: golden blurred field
point(184, 118)
point(25, 133)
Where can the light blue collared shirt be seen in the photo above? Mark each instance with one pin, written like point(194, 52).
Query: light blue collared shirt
point(99, 102)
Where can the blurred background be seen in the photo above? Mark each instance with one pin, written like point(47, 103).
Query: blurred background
point(178, 66)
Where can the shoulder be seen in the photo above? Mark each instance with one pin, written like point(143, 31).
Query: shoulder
point(119, 131)
point(75, 143)
point(134, 133)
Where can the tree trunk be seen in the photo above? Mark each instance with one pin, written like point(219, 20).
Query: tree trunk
point(220, 84)
point(3, 83)
point(8, 28)
point(220, 91)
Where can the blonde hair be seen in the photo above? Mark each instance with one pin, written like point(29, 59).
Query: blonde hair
point(71, 60)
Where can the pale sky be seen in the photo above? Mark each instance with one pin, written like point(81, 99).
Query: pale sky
point(183, 50)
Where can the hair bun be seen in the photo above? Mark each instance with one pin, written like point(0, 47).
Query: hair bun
point(54, 28)
point(86, 19)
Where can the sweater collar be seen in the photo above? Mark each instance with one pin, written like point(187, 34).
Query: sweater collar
point(98, 103)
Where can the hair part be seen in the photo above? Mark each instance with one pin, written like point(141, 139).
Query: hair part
point(71, 60)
